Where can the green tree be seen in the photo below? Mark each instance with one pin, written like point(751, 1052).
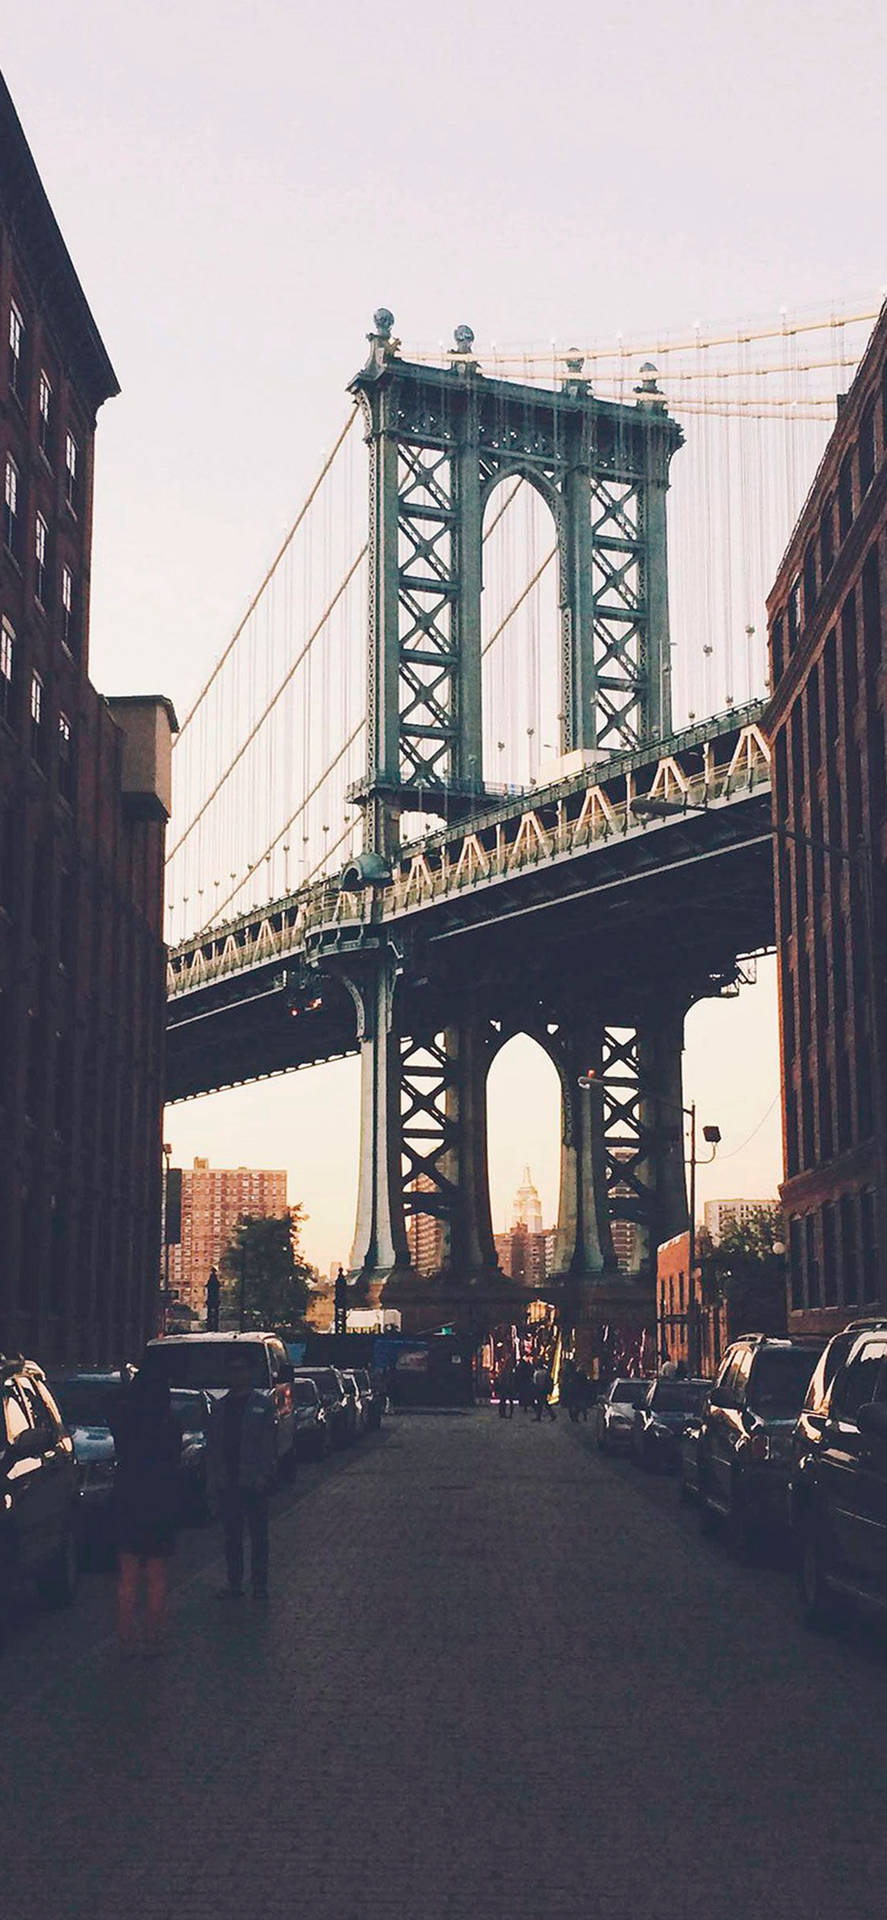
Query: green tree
point(264, 1257)
point(745, 1270)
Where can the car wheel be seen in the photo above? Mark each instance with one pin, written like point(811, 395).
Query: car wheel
point(58, 1584)
point(820, 1607)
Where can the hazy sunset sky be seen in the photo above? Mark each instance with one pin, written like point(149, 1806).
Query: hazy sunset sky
point(240, 186)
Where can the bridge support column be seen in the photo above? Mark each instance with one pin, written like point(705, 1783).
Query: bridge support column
point(472, 1249)
point(380, 1241)
point(660, 1046)
point(584, 1242)
point(658, 717)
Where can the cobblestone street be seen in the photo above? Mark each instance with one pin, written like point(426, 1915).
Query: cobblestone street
point(498, 1677)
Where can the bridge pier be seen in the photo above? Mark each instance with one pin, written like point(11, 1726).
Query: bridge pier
point(584, 1242)
point(380, 1241)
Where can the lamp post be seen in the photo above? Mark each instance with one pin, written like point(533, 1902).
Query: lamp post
point(167, 1156)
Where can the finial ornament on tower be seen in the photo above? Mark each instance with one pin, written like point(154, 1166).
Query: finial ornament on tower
point(383, 346)
point(574, 385)
point(460, 355)
point(649, 392)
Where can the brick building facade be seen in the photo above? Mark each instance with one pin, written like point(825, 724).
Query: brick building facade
point(84, 798)
point(213, 1200)
point(827, 727)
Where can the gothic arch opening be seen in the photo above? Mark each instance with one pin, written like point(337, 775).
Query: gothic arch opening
point(520, 635)
point(524, 1136)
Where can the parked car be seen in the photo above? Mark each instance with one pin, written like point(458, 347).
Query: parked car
point(813, 1413)
point(201, 1362)
point(660, 1420)
point(85, 1400)
point(615, 1413)
point(745, 1443)
point(191, 1410)
point(339, 1412)
point(371, 1394)
point(360, 1410)
point(839, 1487)
point(312, 1426)
point(688, 1485)
point(38, 1489)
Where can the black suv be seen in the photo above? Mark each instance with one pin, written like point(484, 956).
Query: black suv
point(38, 1489)
point(839, 1486)
point(745, 1438)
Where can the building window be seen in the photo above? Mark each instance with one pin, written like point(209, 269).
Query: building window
point(809, 579)
point(16, 344)
point(44, 424)
point(72, 471)
point(69, 616)
point(66, 758)
point(867, 447)
point(794, 615)
point(849, 1260)
point(869, 1245)
point(41, 540)
point(7, 659)
point(826, 538)
point(11, 520)
point(845, 496)
point(776, 661)
point(814, 1295)
point(37, 718)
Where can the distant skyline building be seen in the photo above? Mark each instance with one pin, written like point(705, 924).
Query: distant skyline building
point(526, 1251)
point(424, 1232)
point(720, 1214)
point(526, 1209)
point(213, 1200)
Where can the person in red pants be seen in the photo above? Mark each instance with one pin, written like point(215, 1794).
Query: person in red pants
point(145, 1505)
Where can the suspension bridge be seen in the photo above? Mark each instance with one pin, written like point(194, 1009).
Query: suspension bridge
point(489, 758)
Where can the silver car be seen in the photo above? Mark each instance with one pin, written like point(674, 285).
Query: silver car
point(615, 1413)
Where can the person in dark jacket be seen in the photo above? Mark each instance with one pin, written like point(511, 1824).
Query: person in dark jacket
point(145, 1505)
point(241, 1465)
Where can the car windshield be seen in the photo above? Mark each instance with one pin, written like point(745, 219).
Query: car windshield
point(363, 1381)
point(629, 1393)
point(85, 1403)
point(676, 1396)
point(325, 1380)
point(205, 1363)
point(189, 1409)
point(305, 1393)
point(779, 1381)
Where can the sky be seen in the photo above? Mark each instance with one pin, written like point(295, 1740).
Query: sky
point(241, 185)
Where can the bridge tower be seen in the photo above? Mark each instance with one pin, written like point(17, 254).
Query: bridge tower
point(440, 440)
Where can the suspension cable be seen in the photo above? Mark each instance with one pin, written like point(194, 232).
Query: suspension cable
point(308, 501)
point(319, 782)
point(519, 601)
point(258, 724)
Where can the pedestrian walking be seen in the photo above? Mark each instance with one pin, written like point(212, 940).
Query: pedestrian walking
point(541, 1391)
point(144, 1508)
point(505, 1391)
point(524, 1385)
point(242, 1461)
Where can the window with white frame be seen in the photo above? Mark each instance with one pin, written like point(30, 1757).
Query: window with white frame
point(72, 471)
point(66, 758)
point(41, 541)
point(44, 423)
point(69, 622)
point(36, 717)
point(16, 346)
point(7, 667)
point(10, 506)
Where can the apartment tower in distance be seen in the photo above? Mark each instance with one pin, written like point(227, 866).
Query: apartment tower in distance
point(213, 1200)
point(827, 727)
point(84, 800)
